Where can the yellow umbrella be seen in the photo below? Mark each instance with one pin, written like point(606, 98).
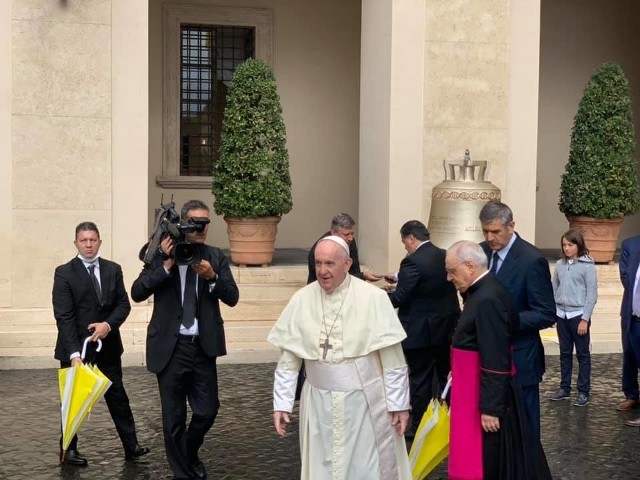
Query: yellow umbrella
point(431, 443)
point(80, 388)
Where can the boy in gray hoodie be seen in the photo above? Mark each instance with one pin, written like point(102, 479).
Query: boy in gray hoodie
point(575, 288)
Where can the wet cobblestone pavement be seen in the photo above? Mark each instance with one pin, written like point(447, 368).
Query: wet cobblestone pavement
point(589, 443)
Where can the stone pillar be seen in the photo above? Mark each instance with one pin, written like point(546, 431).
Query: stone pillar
point(519, 192)
point(6, 165)
point(130, 138)
point(391, 138)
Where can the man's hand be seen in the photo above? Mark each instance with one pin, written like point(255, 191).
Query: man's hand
point(390, 278)
point(166, 246)
point(100, 330)
point(280, 421)
point(489, 423)
point(76, 362)
point(371, 276)
point(400, 420)
point(204, 269)
point(583, 327)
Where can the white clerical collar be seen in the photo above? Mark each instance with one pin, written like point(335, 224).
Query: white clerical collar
point(483, 274)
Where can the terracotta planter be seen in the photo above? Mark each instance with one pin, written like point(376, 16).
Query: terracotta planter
point(252, 240)
point(600, 235)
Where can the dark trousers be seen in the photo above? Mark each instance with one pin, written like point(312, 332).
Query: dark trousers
point(630, 363)
point(531, 401)
point(117, 403)
point(568, 337)
point(426, 366)
point(190, 375)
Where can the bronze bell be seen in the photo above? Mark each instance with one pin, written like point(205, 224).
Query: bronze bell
point(456, 202)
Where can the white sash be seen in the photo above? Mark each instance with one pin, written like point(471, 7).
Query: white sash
point(365, 374)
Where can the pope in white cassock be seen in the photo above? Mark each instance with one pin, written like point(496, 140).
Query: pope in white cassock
point(354, 407)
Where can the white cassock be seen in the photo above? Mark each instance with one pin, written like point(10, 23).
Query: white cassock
point(345, 419)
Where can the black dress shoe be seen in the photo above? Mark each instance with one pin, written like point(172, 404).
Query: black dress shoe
point(74, 457)
point(136, 453)
point(197, 467)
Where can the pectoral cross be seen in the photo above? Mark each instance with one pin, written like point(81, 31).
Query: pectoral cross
point(325, 346)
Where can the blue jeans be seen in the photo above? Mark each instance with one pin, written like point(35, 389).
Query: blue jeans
point(568, 337)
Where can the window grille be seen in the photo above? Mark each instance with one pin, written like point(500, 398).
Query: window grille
point(209, 56)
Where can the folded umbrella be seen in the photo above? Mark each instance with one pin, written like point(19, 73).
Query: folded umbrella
point(80, 388)
point(431, 443)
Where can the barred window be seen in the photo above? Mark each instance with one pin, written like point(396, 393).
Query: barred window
point(209, 56)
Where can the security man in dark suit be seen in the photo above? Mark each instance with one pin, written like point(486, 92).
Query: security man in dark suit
point(428, 309)
point(89, 300)
point(524, 272)
point(184, 338)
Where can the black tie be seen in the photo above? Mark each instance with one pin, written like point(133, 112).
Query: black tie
point(494, 263)
point(94, 280)
point(189, 299)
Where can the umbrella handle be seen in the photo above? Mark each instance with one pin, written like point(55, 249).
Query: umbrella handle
point(84, 347)
point(446, 389)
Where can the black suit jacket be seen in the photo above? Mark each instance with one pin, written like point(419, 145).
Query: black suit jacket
point(353, 253)
point(525, 274)
point(164, 327)
point(76, 305)
point(629, 263)
point(427, 303)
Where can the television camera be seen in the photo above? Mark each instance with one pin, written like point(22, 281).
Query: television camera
point(168, 223)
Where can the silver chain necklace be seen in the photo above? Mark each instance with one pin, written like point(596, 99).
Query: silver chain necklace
point(325, 346)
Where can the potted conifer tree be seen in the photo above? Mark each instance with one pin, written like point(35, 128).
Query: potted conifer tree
point(600, 184)
point(251, 181)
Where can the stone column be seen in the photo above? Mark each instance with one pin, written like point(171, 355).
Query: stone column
point(391, 126)
point(6, 165)
point(130, 138)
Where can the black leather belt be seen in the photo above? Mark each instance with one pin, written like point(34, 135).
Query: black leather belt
point(635, 319)
point(189, 338)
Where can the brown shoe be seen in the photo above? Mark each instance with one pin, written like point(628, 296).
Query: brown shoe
point(628, 404)
point(633, 423)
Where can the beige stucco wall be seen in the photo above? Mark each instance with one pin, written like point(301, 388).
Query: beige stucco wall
point(576, 37)
point(73, 133)
point(316, 63)
point(61, 137)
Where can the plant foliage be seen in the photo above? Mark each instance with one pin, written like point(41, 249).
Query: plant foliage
point(251, 178)
point(600, 178)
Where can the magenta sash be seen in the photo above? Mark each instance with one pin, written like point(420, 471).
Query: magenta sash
point(465, 439)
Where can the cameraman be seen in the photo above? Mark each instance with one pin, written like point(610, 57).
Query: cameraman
point(184, 337)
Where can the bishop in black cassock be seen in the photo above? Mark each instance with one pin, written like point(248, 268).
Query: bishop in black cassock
point(490, 437)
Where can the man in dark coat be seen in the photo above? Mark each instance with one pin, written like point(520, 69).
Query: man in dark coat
point(184, 338)
point(630, 324)
point(486, 428)
point(428, 309)
point(524, 272)
point(343, 226)
point(89, 300)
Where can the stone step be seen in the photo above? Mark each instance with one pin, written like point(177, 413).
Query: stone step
point(296, 274)
point(27, 336)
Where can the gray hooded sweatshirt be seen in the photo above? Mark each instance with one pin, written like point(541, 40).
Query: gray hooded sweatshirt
point(575, 287)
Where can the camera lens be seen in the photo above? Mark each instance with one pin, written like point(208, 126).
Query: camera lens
point(184, 253)
point(187, 253)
